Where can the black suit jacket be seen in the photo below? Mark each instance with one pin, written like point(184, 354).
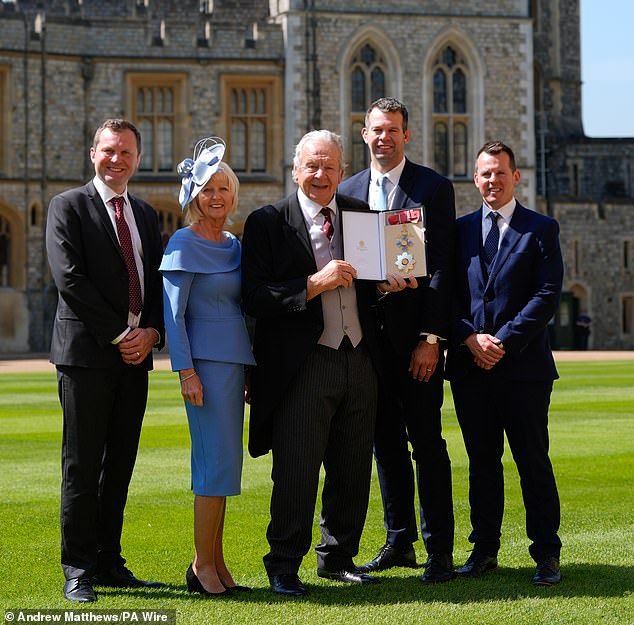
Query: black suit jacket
point(425, 309)
point(91, 276)
point(277, 259)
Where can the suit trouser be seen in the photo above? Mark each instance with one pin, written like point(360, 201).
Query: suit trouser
point(103, 410)
point(410, 412)
point(487, 407)
point(325, 417)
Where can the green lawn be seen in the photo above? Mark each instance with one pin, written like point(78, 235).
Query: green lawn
point(592, 442)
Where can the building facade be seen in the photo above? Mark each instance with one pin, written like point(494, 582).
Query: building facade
point(260, 74)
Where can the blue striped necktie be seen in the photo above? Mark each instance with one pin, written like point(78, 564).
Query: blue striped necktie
point(492, 240)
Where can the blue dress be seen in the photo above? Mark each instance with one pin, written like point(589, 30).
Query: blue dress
point(205, 330)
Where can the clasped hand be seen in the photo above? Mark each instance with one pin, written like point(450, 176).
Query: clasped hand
point(487, 349)
point(136, 345)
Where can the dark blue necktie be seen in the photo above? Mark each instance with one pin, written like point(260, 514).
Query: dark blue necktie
point(492, 240)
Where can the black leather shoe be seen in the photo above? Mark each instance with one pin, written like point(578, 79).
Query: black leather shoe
point(79, 589)
point(287, 584)
point(194, 585)
point(121, 577)
point(390, 556)
point(438, 568)
point(547, 572)
point(350, 577)
point(477, 564)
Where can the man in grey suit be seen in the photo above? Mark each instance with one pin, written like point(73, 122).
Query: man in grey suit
point(314, 387)
point(104, 250)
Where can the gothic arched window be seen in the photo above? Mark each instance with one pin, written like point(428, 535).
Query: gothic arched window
point(450, 114)
point(367, 84)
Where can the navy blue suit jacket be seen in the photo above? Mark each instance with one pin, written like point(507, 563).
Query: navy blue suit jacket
point(425, 309)
point(516, 301)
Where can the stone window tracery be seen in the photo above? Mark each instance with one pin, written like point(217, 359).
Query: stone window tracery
point(450, 113)
point(157, 109)
point(368, 78)
point(251, 105)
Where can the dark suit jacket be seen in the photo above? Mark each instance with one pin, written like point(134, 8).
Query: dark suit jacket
point(515, 303)
point(425, 309)
point(91, 277)
point(277, 259)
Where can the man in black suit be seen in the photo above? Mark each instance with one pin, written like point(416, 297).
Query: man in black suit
point(508, 280)
point(413, 323)
point(314, 387)
point(104, 250)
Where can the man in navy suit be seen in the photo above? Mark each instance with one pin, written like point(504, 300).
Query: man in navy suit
point(413, 321)
point(104, 250)
point(509, 273)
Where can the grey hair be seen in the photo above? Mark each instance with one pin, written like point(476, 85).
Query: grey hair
point(317, 135)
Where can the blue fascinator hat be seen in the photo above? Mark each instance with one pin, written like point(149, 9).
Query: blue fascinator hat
point(196, 172)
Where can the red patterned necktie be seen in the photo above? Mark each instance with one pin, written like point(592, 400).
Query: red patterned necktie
point(328, 228)
point(125, 241)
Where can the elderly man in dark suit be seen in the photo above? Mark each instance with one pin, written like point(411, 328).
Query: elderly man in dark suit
point(509, 275)
point(413, 324)
point(314, 386)
point(104, 249)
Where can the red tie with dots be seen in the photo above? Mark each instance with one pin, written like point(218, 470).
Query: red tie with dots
point(125, 241)
point(328, 228)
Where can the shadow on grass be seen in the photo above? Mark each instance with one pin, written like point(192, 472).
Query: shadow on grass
point(578, 580)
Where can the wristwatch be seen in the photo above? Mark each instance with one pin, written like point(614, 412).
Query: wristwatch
point(432, 339)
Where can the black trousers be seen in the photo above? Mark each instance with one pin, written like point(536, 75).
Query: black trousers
point(488, 407)
point(103, 410)
point(326, 418)
point(410, 413)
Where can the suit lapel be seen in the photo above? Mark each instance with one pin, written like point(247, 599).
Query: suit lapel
point(362, 190)
point(509, 241)
point(103, 215)
point(474, 247)
point(295, 219)
point(403, 192)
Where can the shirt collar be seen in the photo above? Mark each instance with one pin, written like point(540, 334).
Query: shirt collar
point(310, 208)
point(506, 212)
point(394, 175)
point(106, 193)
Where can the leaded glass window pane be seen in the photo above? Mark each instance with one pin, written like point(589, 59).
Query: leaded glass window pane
point(238, 146)
point(165, 145)
point(358, 89)
point(258, 146)
point(459, 150)
point(440, 91)
point(378, 85)
point(147, 156)
point(459, 92)
point(441, 148)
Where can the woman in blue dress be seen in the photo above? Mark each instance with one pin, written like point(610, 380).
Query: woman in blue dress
point(209, 347)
